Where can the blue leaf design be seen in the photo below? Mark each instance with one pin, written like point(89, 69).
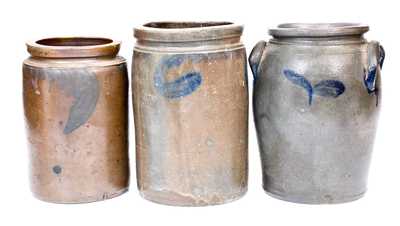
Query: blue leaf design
point(180, 87)
point(329, 88)
point(370, 78)
point(82, 84)
point(299, 80)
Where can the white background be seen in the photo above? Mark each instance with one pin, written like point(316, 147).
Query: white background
point(21, 21)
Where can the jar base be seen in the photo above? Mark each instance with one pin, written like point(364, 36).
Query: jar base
point(302, 200)
point(174, 199)
point(105, 196)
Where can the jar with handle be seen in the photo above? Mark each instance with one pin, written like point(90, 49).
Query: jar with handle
point(317, 92)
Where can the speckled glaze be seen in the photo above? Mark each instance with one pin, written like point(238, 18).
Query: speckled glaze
point(316, 104)
point(75, 94)
point(190, 101)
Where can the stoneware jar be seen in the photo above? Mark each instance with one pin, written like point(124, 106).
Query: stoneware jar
point(316, 104)
point(75, 94)
point(190, 102)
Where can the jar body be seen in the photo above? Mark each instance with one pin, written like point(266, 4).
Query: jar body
point(191, 121)
point(315, 119)
point(77, 124)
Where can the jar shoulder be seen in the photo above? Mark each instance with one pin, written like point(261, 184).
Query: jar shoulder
point(310, 49)
point(327, 58)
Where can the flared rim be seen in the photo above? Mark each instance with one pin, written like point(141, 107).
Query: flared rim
point(73, 47)
point(318, 29)
point(187, 31)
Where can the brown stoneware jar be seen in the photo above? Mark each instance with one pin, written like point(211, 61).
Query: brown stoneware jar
point(75, 94)
point(190, 101)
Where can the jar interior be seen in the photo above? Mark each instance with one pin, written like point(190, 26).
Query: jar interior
point(182, 25)
point(74, 41)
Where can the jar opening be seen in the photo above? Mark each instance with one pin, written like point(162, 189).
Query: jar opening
point(74, 41)
point(318, 30)
point(317, 25)
point(187, 31)
point(182, 25)
point(73, 47)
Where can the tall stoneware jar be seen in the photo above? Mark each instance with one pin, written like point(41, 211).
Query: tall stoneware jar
point(190, 102)
point(316, 104)
point(75, 94)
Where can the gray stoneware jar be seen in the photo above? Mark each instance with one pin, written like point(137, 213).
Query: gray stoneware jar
point(190, 100)
point(316, 103)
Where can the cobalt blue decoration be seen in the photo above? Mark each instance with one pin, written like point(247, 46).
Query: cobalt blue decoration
point(180, 87)
point(329, 88)
point(325, 88)
point(369, 79)
point(300, 81)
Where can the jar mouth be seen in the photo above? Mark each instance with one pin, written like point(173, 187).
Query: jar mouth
point(318, 29)
point(184, 25)
point(187, 31)
point(73, 47)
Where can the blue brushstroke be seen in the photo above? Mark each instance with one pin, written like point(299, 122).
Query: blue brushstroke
point(300, 81)
point(370, 82)
point(324, 88)
point(57, 169)
point(370, 79)
point(180, 87)
point(329, 88)
point(173, 61)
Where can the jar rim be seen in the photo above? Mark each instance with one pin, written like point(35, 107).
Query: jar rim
point(73, 47)
point(318, 29)
point(187, 31)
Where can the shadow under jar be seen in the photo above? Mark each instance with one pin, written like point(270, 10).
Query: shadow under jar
point(75, 94)
point(190, 101)
point(316, 104)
